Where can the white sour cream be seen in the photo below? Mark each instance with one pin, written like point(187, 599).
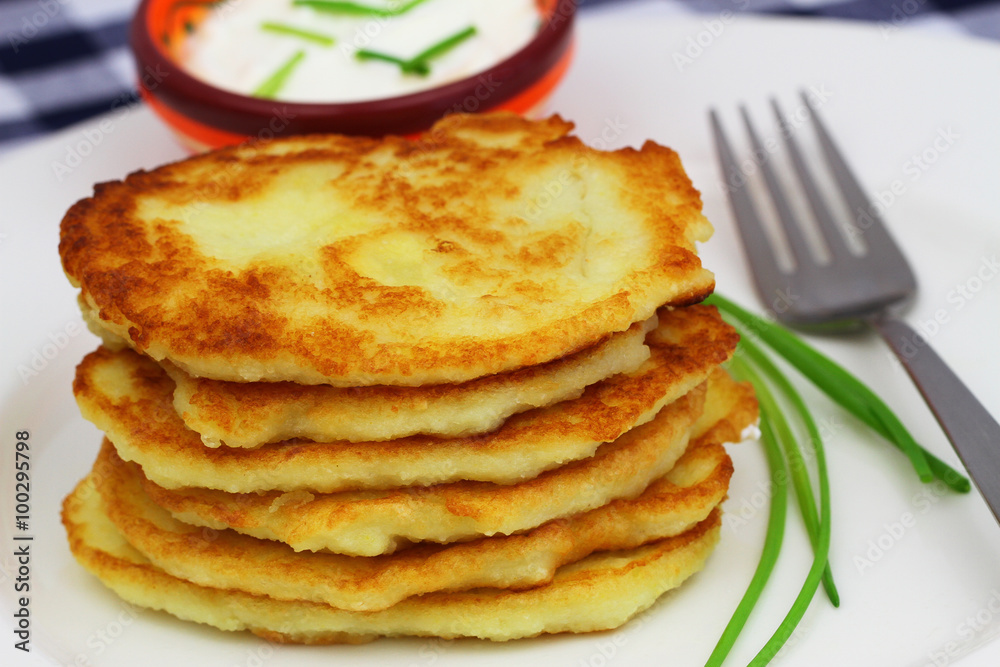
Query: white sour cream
point(230, 50)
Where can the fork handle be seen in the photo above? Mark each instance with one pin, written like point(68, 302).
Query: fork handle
point(973, 432)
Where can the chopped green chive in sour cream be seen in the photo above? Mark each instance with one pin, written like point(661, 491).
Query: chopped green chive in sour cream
point(292, 31)
point(273, 83)
point(419, 64)
point(357, 8)
point(353, 51)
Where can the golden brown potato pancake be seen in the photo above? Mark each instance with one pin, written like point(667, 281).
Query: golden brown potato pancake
point(249, 414)
point(128, 397)
point(369, 523)
point(491, 243)
point(224, 559)
point(599, 592)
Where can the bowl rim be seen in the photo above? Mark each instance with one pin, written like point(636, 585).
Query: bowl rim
point(162, 77)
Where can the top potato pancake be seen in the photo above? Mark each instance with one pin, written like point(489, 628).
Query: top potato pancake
point(490, 244)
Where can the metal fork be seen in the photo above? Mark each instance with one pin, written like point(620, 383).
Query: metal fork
point(853, 286)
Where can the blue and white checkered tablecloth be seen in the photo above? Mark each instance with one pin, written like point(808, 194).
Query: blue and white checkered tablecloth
point(63, 61)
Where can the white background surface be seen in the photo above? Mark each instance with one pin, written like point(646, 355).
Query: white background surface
point(926, 594)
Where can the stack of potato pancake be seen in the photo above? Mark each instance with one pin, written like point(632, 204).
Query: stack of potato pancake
point(452, 386)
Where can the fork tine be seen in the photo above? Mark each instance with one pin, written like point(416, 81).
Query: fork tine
point(831, 231)
point(866, 218)
point(791, 227)
point(765, 269)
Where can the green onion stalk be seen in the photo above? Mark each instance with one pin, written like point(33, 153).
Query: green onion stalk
point(846, 390)
point(779, 441)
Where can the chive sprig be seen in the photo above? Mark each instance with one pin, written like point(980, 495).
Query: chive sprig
point(751, 363)
point(772, 544)
point(775, 423)
point(419, 64)
point(358, 8)
point(796, 461)
point(846, 390)
point(274, 83)
point(293, 31)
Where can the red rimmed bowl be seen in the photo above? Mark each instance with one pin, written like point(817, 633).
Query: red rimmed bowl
point(204, 116)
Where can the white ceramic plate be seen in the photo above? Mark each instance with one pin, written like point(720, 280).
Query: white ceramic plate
point(918, 569)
